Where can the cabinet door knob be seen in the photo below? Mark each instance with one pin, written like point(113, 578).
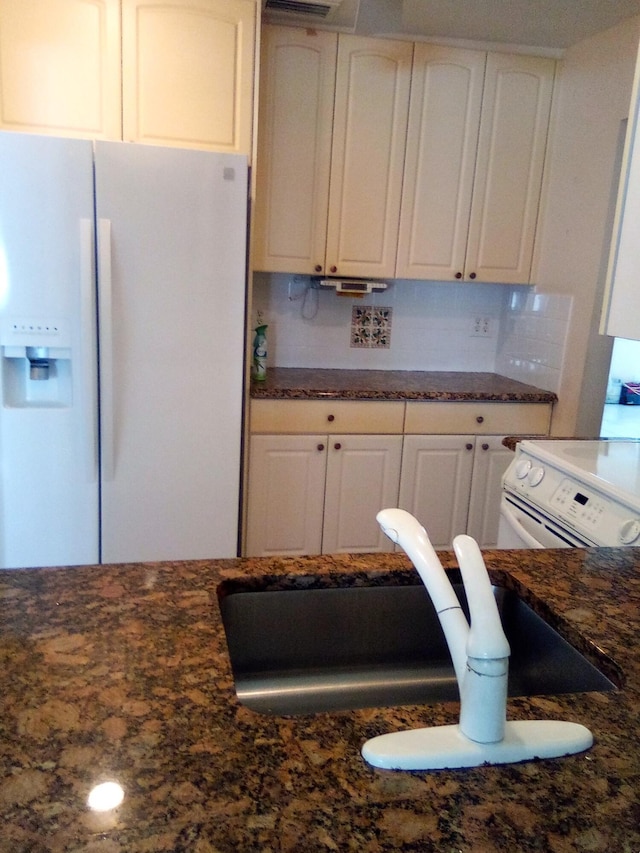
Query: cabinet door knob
point(318, 268)
point(472, 275)
point(485, 446)
point(458, 275)
point(480, 419)
point(337, 445)
point(333, 269)
point(331, 418)
point(321, 447)
point(469, 446)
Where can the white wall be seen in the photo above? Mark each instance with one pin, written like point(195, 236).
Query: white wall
point(592, 100)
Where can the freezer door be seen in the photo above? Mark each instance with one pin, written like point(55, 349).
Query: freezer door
point(48, 413)
point(172, 230)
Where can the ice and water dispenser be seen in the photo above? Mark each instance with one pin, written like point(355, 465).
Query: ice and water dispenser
point(36, 363)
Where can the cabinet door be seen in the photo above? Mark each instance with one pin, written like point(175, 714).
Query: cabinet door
point(363, 473)
point(491, 459)
point(444, 117)
point(621, 304)
point(286, 494)
point(187, 68)
point(508, 179)
point(60, 67)
point(435, 483)
point(369, 132)
point(297, 77)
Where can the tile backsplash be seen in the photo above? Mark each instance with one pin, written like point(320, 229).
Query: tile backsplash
point(371, 326)
point(436, 326)
point(533, 337)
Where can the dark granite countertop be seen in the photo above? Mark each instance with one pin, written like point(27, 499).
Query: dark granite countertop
point(121, 672)
point(289, 383)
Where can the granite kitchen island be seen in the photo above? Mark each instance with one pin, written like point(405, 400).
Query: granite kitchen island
point(121, 673)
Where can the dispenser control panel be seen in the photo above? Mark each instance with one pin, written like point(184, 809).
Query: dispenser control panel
point(30, 331)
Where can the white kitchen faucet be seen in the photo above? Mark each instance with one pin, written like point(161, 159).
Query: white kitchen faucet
point(480, 655)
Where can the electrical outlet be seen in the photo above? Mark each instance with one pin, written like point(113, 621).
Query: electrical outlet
point(482, 327)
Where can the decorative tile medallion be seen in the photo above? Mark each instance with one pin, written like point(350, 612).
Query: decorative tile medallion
point(371, 326)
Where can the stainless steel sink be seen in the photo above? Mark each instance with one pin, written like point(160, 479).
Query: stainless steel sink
point(306, 651)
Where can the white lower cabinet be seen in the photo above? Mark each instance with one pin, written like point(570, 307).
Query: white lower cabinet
point(435, 483)
point(320, 470)
point(363, 474)
point(490, 460)
point(312, 494)
point(286, 494)
point(452, 484)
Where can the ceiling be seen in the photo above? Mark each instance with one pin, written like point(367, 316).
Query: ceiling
point(548, 23)
point(553, 24)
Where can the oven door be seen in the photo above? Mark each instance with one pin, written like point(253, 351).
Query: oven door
point(523, 526)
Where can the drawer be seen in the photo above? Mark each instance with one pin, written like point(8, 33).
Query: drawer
point(478, 418)
point(326, 416)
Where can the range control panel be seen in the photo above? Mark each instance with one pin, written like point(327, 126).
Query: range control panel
point(600, 517)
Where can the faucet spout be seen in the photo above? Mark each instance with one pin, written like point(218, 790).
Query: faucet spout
point(480, 653)
point(405, 530)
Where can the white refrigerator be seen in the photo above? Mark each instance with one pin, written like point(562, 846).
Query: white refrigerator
point(122, 330)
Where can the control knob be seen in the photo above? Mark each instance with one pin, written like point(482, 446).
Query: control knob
point(630, 531)
point(523, 466)
point(535, 475)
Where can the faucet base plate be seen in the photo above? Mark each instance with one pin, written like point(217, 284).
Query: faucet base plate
point(446, 747)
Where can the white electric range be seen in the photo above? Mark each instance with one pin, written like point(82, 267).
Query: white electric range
point(571, 493)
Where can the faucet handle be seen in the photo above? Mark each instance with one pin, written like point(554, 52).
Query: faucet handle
point(486, 638)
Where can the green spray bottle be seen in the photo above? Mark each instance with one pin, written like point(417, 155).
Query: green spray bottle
point(260, 353)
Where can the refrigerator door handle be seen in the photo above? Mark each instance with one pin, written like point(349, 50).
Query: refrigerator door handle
point(106, 349)
point(88, 379)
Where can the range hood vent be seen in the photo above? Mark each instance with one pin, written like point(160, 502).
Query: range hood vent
point(324, 14)
point(316, 8)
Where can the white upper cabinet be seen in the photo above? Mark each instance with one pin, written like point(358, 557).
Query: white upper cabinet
point(511, 150)
point(60, 67)
point(367, 157)
point(621, 306)
point(442, 139)
point(353, 180)
point(297, 81)
point(180, 72)
point(332, 131)
point(188, 73)
point(475, 154)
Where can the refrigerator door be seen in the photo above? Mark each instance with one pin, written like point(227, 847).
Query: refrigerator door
point(172, 228)
point(48, 419)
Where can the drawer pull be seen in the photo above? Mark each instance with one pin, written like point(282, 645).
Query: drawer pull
point(485, 446)
point(469, 446)
point(480, 419)
point(331, 418)
point(321, 447)
point(337, 445)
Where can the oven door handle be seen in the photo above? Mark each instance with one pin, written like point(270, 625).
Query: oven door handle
point(518, 528)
